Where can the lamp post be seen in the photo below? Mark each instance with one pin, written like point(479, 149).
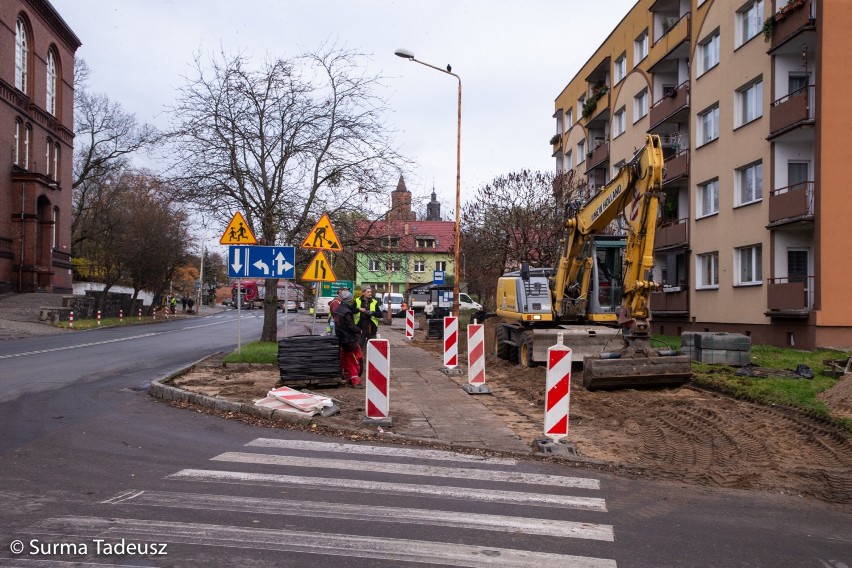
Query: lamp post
point(405, 54)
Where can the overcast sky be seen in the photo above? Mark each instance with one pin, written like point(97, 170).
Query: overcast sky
point(513, 58)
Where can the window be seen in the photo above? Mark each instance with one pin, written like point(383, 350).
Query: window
point(569, 118)
point(580, 102)
point(640, 105)
point(21, 55)
point(441, 265)
point(749, 21)
point(798, 174)
point(50, 102)
point(618, 122)
point(796, 82)
point(708, 53)
point(28, 133)
point(390, 242)
point(53, 228)
point(581, 152)
point(750, 103)
point(569, 161)
point(797, 264)
point(419, 266)
point(373, 266)
point(640, 48)
point(393, 265)
point(620, 68)
point(48, 146)
point(708, 198)
point(748, 265)
point(56, 161)
point(749, 184)
point(16, 156)
point(708, 125)
point(707, 267)
point(425, 243)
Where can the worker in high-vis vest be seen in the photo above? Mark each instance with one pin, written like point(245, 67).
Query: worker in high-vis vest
point(368, 312)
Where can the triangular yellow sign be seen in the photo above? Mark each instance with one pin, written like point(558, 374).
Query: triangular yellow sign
point(238, 232)
point(319, 270)
point(322, 236)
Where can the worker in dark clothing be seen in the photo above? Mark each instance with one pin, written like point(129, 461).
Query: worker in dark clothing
point(348, 338)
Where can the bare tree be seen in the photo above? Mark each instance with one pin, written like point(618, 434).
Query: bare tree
point(282, 143)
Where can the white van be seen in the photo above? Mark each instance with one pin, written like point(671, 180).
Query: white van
point(395, 304)
point(466, 303)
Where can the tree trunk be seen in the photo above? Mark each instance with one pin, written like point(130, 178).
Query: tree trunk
point(270, 311)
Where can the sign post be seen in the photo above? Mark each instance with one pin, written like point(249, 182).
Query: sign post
point(321, 238)
point(237, 232)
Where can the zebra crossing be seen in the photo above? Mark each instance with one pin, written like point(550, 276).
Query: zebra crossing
point(321, 501)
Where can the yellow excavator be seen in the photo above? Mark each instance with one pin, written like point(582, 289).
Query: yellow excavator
point(598, 295)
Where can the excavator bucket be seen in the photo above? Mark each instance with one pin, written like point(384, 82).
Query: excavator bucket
point(637, 371)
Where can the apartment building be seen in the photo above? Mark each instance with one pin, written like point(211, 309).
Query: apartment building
point(36, 134)
point(750, 100)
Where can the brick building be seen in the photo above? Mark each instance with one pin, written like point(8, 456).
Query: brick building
point(36, 132)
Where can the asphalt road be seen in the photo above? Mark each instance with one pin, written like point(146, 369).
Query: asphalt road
point(89, 460)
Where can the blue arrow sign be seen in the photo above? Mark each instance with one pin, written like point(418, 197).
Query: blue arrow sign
point(261, 262)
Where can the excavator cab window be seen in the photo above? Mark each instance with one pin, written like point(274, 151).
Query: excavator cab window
point(605, 286)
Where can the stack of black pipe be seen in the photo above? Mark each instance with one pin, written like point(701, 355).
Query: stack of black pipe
point(309, 361)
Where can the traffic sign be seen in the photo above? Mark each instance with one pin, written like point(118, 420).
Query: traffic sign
point(237, 232)
point(261, 262)
point(322, 236)
point(329, 289)
point(319, 270)
point(438, 277)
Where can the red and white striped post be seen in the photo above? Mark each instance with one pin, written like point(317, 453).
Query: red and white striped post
point(99, 317)
point(378, 383)
point(451, 342)
point(139, 317)
point(71, 319)
point(409, 324)
point(476, 360)
point(557, 395)
point(120, 316)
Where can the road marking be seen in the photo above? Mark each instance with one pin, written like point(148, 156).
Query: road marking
point(448, 492)
point(339, 447)
point(411, 469)
point(366, 513)
point(391, 549)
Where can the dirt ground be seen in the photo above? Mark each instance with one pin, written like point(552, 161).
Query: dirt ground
point(683, 434)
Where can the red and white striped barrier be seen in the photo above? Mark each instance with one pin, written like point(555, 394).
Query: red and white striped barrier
point(120, 316)
point(140, 314)
point(99, 317)
point(303, 401)
point(475, 353)
point(557, 396)
point(378, 381)
point(71, 319)
point(451, 342)
point(409, 324)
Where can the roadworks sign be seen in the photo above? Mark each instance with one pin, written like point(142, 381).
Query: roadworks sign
point(322, 236)
point(238, 232)
point(319, 270)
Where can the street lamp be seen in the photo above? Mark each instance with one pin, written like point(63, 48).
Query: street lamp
point(405, 54)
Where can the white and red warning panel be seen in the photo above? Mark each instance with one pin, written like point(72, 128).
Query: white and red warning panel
point(378, 383)
point(557, 396)
point(451, 342)
point(409, 324)
point(476, 360)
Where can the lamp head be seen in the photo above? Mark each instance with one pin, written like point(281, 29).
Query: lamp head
point(404, 53)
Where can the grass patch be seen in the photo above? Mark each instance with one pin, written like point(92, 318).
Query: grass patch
point(264, 352)
point(80, 324)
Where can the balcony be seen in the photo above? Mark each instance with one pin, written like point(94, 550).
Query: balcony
point(792, 204)
point(671, 234)
point(676, 167)
point(597, 156)
point(673, 107)
point(674, 35)
point(792, 20)
point(790, 296)
point(670, 301)
point(791, 111)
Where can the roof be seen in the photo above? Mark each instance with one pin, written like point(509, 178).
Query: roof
point(370, 235)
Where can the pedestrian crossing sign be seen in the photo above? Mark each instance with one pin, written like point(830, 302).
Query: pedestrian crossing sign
point(319, 270)
point(322, 237)
point(238, 232)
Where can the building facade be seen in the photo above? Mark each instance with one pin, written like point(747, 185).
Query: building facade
point(749, 99)
point(37, 128)
point(400, 252)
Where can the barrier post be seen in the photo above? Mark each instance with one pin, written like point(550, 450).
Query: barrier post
point(409, 324)
point(120, 316)
point(99, 317)
point(140, 314)
point(377, 407)
point(451, 346)
point(557, 400)
point(476, 360)
point(71, 319)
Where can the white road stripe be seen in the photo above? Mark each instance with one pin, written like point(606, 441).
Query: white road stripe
point(394, 550)
point(411, 469)
point(492, 496)
point(367, 513)
point(393, 451)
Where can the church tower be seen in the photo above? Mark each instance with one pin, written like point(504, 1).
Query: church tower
point(401, 203)
point(433, 208)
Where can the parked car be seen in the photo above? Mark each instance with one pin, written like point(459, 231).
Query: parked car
point(292, 306)
point(395, 304)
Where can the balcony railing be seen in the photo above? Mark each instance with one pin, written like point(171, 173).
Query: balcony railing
point(676, 167)
point(670, 300)
point(790, 295)
point(792, 20)
point(791, 111)
point(598, 156)
point(672, 233)
point(792, 203)
point(671, 105)
point(674, 33)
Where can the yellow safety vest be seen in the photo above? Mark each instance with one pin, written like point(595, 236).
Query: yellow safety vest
point(372, 307)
